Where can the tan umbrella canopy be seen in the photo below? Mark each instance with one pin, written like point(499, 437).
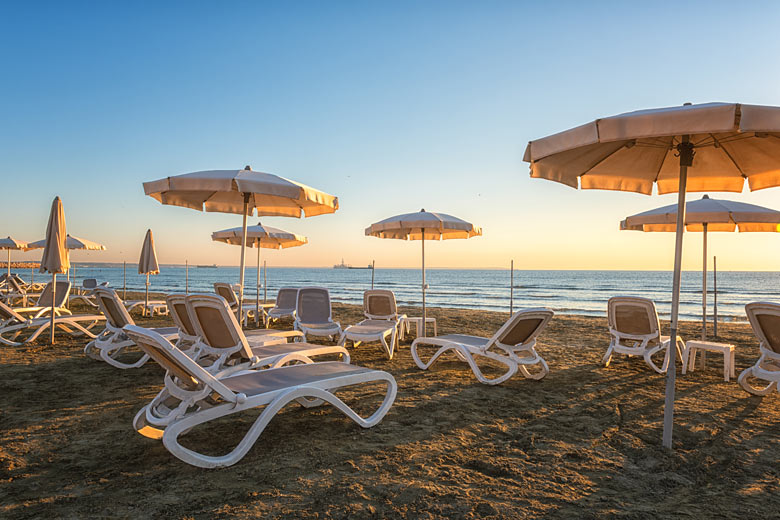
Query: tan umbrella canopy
point(11, 243)
point(708, 147)
point(55, 255)
point(260, 236)
point(422, 226)
point(705, 215)
point(243, 192)
point(147, 264)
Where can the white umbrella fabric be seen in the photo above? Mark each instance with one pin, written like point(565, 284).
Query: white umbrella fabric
point(71, 242)
point(705, 215)
point(242, 192)
point(55, 255)
point(9, 244)
point(423, 225)
point(707, 147)
point(147, 264)
point(260, 236)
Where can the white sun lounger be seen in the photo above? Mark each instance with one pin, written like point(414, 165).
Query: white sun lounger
point(382, 323)
point(13, 324)
point(286, 300)
point(636, 331)
point(86, 296)
point(513, 346)
point(226, 291)
point(43, 305)
point(208, 398)
point(113, 341)
point(765, 319)
point(313, 315)
point(221, 338)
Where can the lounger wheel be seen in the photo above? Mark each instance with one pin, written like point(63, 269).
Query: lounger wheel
point(745, 384)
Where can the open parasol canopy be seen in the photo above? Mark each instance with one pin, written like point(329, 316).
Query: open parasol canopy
point(705, 215)
point(8, 244)
point(423, 225)
point(707, 147)
point(243, 192)
point(260, 236)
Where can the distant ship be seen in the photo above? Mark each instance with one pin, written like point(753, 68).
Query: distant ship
point(342, 265)
point(212, 266)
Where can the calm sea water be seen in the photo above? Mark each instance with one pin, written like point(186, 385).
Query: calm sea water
point(569, 292)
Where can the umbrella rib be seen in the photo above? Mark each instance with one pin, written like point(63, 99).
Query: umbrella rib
point(601, 161)
point(739, 169)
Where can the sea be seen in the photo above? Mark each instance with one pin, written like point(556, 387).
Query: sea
point(567, 292)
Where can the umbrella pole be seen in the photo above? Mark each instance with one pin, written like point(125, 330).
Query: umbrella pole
point(186, 277)
point(54, 299)
point(704, 289)
point(257, 293)
point(243, 259)
point(146, 302)
point(715, 296)
point(424, 315)
point(511, 287)
point(265, 282)
point(685, 149)
point(124, 280)
point(9, 263)
point(373, 267)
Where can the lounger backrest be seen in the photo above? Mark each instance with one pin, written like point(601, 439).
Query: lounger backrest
point(177, 305)
point(633, 316)
point(765, 319)
point(89, 283)
point(111, 305)
point(379, 304)
point(7, 313)
point(15, 286)
point(285, 299)
point(225, 290)
point(45, 300)
point(215, 323)
point(313, 305)
point(176, 362)
point(522, 328)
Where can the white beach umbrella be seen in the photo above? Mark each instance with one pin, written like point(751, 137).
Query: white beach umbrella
point(260, 236)
point(423, 226)
point(242, 192)
point(708, 147)
point(9, 244)
point(55, 255)
point(147, 264)
point(705, 215)
point(71, 243)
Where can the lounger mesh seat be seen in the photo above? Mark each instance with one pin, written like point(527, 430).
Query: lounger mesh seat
point(513, 345)
point(206, 397)
point(113, 342)
point(636, 331)
point(313, 314)
point(765, 320)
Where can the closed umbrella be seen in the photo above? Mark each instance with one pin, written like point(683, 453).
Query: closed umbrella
point(707, 147)
point(705, 215)
point(11, 243)
point(147, 264)
point(243, 192)
point(259, 236)
point(55, 255)
point(421, 226)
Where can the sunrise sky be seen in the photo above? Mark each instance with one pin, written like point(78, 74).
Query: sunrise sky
point(391, 106)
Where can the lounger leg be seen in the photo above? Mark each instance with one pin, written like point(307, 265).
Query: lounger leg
point(745, 384)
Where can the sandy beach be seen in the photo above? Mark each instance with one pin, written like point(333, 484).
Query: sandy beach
point(584, 442)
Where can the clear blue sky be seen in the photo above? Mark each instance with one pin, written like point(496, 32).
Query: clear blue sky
point(392, 106)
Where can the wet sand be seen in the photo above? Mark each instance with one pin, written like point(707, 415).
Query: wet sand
point(582, 443)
